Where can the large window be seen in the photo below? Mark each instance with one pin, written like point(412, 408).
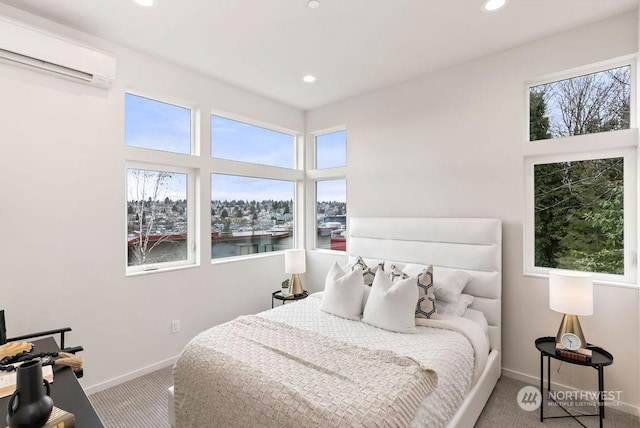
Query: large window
point(586, 104)
point(239, 141)
point(580, 206)
point(160, 198)
point(250, 215)
point(159, 228)
point(157, 125)
point(579, 215)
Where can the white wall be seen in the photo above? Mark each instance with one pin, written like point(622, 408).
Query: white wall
point(451, 144)
point(62, 221)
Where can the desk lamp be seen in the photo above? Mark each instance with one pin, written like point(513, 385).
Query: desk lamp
point(294, 263)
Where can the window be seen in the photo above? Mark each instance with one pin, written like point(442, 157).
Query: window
point(250, 215)
point(331, 214)
point(160, 199)
point(234, 140)
point(156, 125)
point(580, 196)
point(331, 150)
point(581, 214)
point(587, 104)
point(327, 182)
point(159, 225)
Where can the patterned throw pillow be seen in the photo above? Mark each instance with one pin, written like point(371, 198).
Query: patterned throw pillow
point(426, 306)
point(368, 273)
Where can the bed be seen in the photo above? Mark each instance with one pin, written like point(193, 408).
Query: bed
point(223, 374)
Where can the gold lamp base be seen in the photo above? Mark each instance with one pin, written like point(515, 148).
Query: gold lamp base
point(571, 324)
point(295, 285)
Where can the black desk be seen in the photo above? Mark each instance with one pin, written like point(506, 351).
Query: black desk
point(66, 392)
point(600, 358)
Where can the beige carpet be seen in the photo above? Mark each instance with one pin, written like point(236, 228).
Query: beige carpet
point(138, 403)
point(142, 403)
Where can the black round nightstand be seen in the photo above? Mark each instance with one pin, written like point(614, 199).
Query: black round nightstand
point(599, 359)
point(277, 295)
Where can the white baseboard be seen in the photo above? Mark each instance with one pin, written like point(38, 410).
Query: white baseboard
point(535, 380)
point(131, 375)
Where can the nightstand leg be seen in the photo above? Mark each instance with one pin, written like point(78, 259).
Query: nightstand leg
point(542, 386)
point(549, 374)
point(601, 388)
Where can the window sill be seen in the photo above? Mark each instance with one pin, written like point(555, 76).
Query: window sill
point(254, 256)
point(606, 283)
point(160, 270)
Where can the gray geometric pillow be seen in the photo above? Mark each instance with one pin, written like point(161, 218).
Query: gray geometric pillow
point(426, 306)
point(368, 273)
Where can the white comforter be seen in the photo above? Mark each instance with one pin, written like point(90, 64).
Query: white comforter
point(457, 349)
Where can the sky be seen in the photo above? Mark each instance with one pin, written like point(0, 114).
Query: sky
point(161, 126)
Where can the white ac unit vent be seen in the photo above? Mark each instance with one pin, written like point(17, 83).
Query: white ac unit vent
point(30, 47)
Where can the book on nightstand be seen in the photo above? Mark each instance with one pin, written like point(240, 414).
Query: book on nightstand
point(581, 354)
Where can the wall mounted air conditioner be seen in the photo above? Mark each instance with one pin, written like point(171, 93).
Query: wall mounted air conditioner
point(30, 47)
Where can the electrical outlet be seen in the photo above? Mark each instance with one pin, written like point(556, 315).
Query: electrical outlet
point(175, 326)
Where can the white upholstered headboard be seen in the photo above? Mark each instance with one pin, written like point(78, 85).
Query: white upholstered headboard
point(473, 245)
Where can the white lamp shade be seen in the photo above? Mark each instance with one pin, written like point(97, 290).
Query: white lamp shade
point(294, 261)
point(571, 292)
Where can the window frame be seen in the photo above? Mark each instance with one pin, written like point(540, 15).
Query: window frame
point(629, 156)
point(313, 175)
point(296, 228)
point(257, 124)
point(619, 143)
point(629, 60)
point(255, 170)
point(192, 235)
point(194, 148)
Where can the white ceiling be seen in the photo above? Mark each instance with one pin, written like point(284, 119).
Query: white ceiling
point(352, 46)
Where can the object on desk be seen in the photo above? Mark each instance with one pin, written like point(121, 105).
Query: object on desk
point(29, 406)
point(60, 419)
point(47, 358)
point(8, 380)
point(12, 349)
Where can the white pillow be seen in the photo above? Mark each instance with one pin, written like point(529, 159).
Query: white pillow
point(343, 293)
point(448, 284)
point(454, 308)
point(392, 305)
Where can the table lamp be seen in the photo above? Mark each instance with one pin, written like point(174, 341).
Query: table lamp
point(571, 293)
point(294, 263)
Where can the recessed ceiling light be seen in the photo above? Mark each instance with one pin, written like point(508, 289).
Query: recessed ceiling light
point(309, 78)
point(492, 5)
point(145, 3)
point(313, 4)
